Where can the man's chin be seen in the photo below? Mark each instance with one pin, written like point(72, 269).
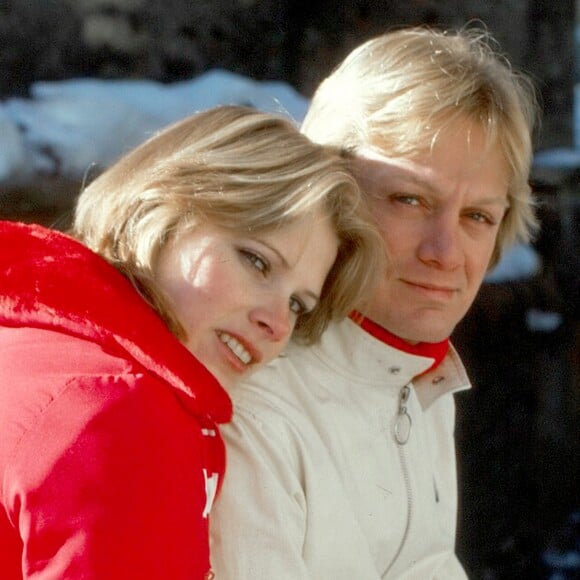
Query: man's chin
point(424, 334)
point(418, 326)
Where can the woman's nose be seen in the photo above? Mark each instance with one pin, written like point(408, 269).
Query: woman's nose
point(274, 319)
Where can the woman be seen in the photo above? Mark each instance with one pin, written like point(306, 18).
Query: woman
point(196, 257)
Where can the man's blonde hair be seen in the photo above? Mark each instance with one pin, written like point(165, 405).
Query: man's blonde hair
point(396, 93)
point(240, 170)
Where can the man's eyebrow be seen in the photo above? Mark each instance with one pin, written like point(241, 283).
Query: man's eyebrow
point(499, 199)
point(496, 200)
point(401, 174)
point(384, 167)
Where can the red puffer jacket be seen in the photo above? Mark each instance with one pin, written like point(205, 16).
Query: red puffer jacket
point(110, 455)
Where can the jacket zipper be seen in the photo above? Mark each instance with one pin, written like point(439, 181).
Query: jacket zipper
point(402, 432)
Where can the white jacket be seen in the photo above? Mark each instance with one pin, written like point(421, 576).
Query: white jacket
point(317, 487)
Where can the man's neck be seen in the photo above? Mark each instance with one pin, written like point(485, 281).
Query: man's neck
point(434, 350)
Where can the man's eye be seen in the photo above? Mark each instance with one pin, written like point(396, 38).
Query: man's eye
point(407, 199)
point(256, 261)
point(297, 306)
point(482, 218)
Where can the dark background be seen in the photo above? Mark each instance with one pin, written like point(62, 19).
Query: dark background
point(518, 429)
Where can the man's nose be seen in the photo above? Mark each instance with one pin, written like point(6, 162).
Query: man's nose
point(441, 242)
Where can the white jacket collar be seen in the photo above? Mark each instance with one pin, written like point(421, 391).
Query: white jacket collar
point(346, 348)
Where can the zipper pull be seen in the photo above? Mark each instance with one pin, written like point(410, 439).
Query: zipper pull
point(403, 421)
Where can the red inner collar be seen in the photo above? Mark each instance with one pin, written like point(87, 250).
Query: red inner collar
point(435, 350)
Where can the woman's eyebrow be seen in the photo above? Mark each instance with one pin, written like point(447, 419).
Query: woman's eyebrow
point(285, 263)
point(275, 250)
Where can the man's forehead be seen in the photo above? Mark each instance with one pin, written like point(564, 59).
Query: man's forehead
point(373, 171)
point(370, 164)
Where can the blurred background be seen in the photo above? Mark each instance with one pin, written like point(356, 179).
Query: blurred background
point(81, 81)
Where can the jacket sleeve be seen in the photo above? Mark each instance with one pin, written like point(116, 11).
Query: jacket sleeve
point(111, 486)
point(258, 523)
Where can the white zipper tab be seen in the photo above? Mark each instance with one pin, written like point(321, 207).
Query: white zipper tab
point(403, 422)
point(402, 431)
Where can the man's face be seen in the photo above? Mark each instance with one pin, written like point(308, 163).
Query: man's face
point(439, 216)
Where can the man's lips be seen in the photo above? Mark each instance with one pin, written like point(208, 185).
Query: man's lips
point(431, 289)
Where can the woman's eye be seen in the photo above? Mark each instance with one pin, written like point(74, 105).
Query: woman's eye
point(297, 306)
point(256, 261)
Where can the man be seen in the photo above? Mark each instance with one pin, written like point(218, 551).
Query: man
point(341, 458)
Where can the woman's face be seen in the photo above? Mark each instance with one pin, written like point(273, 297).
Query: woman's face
point(238, 297)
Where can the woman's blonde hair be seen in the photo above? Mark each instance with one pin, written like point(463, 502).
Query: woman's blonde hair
point(396, 93)
point(240, 170)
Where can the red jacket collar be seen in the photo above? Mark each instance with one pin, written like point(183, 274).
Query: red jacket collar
point(434, 350)
point(50, 280)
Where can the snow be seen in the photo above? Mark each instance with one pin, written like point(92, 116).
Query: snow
point(66, 127)
point(558, 158)
point(518, 263)
point(543, 320)
point(12, 149)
